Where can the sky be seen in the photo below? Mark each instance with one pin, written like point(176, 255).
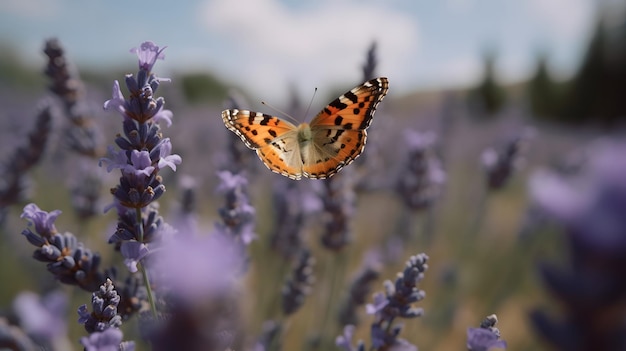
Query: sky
point(266, 46)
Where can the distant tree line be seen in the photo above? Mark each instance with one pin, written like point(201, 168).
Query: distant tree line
point(596, 94)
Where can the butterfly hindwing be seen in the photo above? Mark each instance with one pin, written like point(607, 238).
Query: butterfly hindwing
point(331, 150)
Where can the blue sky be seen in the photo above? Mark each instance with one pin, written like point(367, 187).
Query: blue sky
point(264, 45)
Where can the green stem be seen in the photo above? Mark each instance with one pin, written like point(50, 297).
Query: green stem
point(337, 275)
point(146, 281)
point(144, 272)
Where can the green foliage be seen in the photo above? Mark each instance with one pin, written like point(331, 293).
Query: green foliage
point(488, 97)
point(596, 92)
point(544, 94)
point(202, 87)
point(14, 74)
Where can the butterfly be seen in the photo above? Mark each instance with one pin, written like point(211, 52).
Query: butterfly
point(333, 139)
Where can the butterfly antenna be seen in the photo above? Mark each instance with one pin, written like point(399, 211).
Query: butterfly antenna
point(280, 111)
point(308, 108)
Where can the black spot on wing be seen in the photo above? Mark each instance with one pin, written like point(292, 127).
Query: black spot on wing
point(266, 120)
point(254, 132)
point(338, 120)
point(338, 104)
point(348, 126)
point(272, 133)
point(351, 96)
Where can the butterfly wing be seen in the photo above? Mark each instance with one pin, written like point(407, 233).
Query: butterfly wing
point(338, 131)
point(274, 140)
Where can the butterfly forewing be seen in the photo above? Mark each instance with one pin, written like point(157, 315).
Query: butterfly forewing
point(355, 108)
point(254, 128)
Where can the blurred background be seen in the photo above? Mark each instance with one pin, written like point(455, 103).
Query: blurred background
point(474, 84)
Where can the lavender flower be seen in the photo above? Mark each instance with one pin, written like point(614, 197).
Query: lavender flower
point(589, 207)
point(359, 291)
point(143, 154)
point(338, 201)
point(67, 259)
point(196, 276)
point(397, 301)
point(345, 340)
point(196, 268)
point(291, 204)
point(43, 318)
point(238, 157)
point(42, 221)
point(500, 166)
point(13, 183)
point(420, 184)
point(485, 338)
point(300, 284)
point(14, 336)
point(82, 135)
point(107, 340)
point(237, 213)
point(104, 305)
point(371, 62)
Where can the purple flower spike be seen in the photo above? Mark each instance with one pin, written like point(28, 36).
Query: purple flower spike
point(148, 53)
point(133, 252)
point(42, 220)
point(480, 339)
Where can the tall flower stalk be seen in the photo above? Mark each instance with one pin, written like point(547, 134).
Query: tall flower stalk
point(141, 154)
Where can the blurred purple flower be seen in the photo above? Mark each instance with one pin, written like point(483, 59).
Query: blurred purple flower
point(344, 341)
point(237, 213)
point(420, 183)
point(107, 340)
point(133, 252)
point(479, 339)
point(42, 220)
point(195, 268)
point(380, 302)
point(42, 317)
point(148, 53)
point(500, 166)
point(590, 206)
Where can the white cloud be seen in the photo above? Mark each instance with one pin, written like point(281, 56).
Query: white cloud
point(566, 19)
point(267, 44)
point(30, 9)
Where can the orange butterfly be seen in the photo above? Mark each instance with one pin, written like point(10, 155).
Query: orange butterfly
point(333, 139)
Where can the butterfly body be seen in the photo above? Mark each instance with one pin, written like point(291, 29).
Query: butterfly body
point(333, 139)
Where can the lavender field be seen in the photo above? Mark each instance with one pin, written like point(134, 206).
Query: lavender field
point(147, 225)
